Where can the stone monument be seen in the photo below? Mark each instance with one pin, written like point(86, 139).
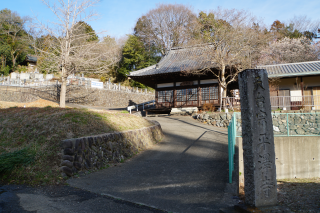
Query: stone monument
point(257, 136)
point(13, 75)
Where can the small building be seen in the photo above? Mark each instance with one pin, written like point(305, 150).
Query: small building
point(294, 85)
point(178, 79)
point(31, 60)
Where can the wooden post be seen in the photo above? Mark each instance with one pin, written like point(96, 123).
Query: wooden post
point(301, 85)
point(199, 94)
point(156, 94)
point(174, 94)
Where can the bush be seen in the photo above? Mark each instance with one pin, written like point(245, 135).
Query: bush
point(208, 107)
point(8, 161)
point(21, 69)
point(5, 70)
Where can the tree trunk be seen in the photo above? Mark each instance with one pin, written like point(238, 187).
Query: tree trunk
point(224, 94)
point(223, 87)
point(63, 89)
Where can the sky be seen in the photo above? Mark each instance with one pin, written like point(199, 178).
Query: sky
point(119, 17)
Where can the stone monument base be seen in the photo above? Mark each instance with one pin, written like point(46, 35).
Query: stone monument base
point(183, 110)
point(244, 208)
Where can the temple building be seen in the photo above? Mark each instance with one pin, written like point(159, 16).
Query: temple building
point(180, 79)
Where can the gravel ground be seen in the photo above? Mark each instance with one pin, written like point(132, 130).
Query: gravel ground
point(298, 195)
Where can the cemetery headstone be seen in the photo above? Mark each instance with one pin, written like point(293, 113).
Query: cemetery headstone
point(38, 76)
point(32, 75)
point(258, 141)
point(13, 75)
point(49, 76)
point(24, 76)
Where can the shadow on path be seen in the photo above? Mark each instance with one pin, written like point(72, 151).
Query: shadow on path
point(186, 172)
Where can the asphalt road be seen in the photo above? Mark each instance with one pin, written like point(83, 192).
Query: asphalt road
point(186, 172)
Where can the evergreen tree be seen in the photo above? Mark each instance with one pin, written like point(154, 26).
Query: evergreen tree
point(136, 55)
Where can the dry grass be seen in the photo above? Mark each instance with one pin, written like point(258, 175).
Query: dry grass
point(38, 103)
point(40, 130)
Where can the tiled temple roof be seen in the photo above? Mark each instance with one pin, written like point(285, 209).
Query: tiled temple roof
point(180, 59)
point(292, 69)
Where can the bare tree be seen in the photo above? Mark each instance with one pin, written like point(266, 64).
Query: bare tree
point(289, 50)
point(167, 26)
point(234, 35)
point(304, 24)
point(63, 49)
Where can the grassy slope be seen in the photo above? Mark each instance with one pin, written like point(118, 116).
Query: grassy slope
point(30, 138)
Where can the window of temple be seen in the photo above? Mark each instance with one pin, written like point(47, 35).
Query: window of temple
point(165, 96)
point(209, 93)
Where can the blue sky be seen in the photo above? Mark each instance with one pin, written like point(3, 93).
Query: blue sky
point(119, 17)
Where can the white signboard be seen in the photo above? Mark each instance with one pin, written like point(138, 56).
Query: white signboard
point(296, 95)
point(96, 84)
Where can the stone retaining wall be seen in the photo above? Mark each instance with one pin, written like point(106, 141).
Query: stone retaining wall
point(14, 96)
point(82, 95)
point(106, 98)
point(95, 152)
point(300, 123)
point(221, 119)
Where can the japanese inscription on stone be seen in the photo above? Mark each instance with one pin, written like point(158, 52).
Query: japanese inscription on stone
point(258, 143)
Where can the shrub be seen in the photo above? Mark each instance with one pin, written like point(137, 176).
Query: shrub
point(8, 161)
point(208, 107)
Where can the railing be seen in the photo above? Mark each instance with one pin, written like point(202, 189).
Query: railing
point(289, 124)
point(232, 134)
point(295, 101)
point(283, 102)
point(136, 106)
point(6, 81)
point(284, 125)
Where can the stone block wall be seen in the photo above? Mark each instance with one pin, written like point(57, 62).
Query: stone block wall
point(95, 152)
point(221, 119)
point(106, 98)
point(300, 123)
point(85, 96)
point(15, 96)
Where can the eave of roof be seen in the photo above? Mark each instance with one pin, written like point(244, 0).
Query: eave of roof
point(292, 69)
point(31, 58)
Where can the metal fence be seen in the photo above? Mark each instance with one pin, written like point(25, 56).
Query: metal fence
point(34, 83)
point(232, 134)
point(284, 125)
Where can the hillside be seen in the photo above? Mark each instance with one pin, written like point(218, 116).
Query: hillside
point(30, 138)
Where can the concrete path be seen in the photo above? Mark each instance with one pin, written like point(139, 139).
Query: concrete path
point(186, 172)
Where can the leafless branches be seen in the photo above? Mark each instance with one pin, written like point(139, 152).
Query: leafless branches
point(66, 45)
point(167, 26)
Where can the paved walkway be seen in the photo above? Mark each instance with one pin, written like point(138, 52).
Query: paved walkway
point(186, 172)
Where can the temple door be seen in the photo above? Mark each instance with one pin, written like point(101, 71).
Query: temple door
point(316, 97)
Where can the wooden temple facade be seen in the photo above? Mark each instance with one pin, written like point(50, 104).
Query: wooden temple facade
point(177, 80)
